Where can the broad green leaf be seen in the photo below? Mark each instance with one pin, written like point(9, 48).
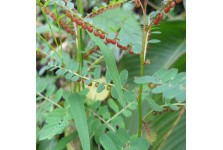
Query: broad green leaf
point(107, 143)
point(110, 62)
point(78, 113)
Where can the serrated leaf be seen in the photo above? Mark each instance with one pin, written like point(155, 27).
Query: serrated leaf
point(78, 113)
point(101, 87)
point(107, 143)
point(124, 76)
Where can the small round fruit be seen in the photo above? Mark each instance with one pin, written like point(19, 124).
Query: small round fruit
point(154, 113)
point(73, 19)
point(108, 87)
point(165, 109)
point(79, 80)
point(68, 14)
point(96, 84)
point(178, 1)
point(79, 22)
point(160, 16)
point(172, 4)
point(113, 41)
point(90, 29)
point(102, 35)
point(152, 85)
point(131, 51)
point(119, 46)
point(166, 9)
point(85, 56)
point(53, 16)
point(84, 26)
point(108, 40)
point(72, 32)
point(96, 33)
point(46, 10)
point(124, 48)
point(156, 21)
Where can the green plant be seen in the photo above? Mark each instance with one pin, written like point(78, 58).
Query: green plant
point(92, 94)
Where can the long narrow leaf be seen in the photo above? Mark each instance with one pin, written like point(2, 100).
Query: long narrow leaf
point(78, 113)
point(110, 62)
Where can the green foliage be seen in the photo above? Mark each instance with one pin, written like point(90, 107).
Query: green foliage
point(78, 113)
point(168, 82)
point(63, 142)
point(110, 62)
point(107, 143)
point(112, 122)
point(56, 122)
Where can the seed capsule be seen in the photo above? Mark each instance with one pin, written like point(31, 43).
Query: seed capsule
point(90, 29)
point(166, 9)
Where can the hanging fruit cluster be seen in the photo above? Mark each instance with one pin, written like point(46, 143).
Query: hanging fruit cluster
point(60, 21)
point(103, 9)
point(91, 51)
point(170, 4)
point(88, 27)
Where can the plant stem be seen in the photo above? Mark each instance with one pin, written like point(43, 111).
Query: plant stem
point(142, 59)
point(80, 40)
